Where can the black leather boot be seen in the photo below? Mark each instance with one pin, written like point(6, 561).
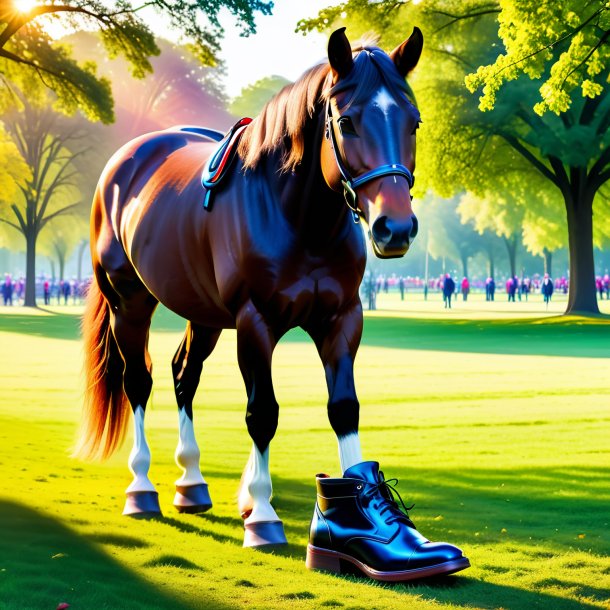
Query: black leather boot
point(357, 523)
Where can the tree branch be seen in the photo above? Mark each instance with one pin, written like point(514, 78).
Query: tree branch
point(65, 210)
point(529, 156)
point(11, 224)
point(20, 218)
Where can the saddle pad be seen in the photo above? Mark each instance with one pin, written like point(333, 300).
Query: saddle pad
point(220, 161)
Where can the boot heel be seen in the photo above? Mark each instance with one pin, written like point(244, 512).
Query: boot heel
point(320, 559)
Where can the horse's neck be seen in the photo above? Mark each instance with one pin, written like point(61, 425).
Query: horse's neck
point(309, 205)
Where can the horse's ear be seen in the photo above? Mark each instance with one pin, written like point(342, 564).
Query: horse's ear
point(406, 55)
point(339, 54)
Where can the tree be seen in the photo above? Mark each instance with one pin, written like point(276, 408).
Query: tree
point(448, 236)
point(566, 47)
point(62, 236)
point(50, 145)
point(252, 98)
point(464, 149)
point(28, 53)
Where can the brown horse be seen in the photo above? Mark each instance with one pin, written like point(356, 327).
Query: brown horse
point(279, 249)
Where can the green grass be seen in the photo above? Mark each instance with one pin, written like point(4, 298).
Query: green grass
point(494, 417)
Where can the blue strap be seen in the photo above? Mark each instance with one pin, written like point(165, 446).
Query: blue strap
point(390, 169)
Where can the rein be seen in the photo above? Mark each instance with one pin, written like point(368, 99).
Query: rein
point(351, 184)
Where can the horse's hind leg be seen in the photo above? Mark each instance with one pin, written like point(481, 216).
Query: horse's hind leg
point(192, 494)
point(255, 345)
point(130, 323)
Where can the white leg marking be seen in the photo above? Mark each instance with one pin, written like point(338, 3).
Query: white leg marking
point(187, 452)
point(350, 452)
point(139, 458)
point(256, 488)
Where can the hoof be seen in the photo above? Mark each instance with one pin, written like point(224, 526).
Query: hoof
point(192, 498)
point(142, 504)
point(264, 533)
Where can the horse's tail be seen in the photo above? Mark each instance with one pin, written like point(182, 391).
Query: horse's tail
point(105, 410)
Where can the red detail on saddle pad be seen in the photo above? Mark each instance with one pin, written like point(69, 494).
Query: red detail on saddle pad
point(222, 157)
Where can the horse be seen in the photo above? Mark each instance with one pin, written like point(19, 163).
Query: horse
point(282, 247)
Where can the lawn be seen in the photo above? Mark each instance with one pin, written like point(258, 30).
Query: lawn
point(495, 418)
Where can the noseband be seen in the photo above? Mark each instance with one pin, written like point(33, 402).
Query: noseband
point(351, 184)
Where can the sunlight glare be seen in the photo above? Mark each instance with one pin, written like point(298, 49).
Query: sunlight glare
point(24, 6)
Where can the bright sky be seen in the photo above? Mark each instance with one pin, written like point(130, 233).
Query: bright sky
point(275, 48)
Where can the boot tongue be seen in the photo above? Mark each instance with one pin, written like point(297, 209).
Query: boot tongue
point(365, 471)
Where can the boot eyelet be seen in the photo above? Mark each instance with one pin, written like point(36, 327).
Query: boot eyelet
point(358, 487)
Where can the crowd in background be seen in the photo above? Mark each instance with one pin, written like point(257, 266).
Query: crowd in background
point(50, 291)
point(54, 291)
point(514, 288)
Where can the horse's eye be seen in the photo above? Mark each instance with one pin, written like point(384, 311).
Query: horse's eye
point(346, 126)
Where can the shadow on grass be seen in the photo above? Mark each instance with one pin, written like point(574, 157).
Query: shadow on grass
point(53, 325)
point(557, 336)
point(44, 563)
point(575, 337)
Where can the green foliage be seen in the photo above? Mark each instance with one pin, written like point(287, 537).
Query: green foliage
point(14, 172)
point(29, 58)
point(563, 45)
point(252, 98)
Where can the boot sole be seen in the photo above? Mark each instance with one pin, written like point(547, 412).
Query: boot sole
point(333, 561)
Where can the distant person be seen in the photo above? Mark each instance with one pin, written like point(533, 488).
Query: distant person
point(599, 286)
point(526, 285)
point(606, 280)
point(401, 287)
point(66, 291)
point(511, 289)
point(46, 291)
point(547, 288)
point(448, 289)
point(465, 288)
point(370, 291)
point(7, 290)
point(490, 289)
point(19, 288)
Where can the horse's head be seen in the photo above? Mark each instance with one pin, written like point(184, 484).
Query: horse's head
point(369, 148)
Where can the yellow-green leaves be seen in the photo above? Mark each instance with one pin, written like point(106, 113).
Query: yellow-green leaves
point(563, 44)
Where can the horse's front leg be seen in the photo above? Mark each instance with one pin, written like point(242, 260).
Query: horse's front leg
point(337, 344)
point(255, 344)
point(357, 518)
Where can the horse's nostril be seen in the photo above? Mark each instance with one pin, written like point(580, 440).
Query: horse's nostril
point(414, 228)
point(381, 232)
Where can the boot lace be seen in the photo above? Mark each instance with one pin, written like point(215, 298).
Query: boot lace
point(387, 491)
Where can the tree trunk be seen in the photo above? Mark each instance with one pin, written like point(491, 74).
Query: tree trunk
point(62, 265)
point(52, 263)
point(465, 265)
point(30, 269)
point(491, 267)
point(511, 247)
point(548, 261)
point(81, 250)
point(582, 298)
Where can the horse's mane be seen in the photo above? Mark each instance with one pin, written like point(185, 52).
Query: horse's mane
point(280, 126)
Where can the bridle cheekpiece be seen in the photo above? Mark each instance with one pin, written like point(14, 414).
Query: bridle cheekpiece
point(351, 184)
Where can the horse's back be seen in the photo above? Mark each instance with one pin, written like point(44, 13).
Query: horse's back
point(150, 220)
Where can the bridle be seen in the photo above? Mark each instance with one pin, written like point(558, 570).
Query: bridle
point(351, 184)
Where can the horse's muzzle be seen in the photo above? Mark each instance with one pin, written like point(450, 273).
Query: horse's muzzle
point(391, 238)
